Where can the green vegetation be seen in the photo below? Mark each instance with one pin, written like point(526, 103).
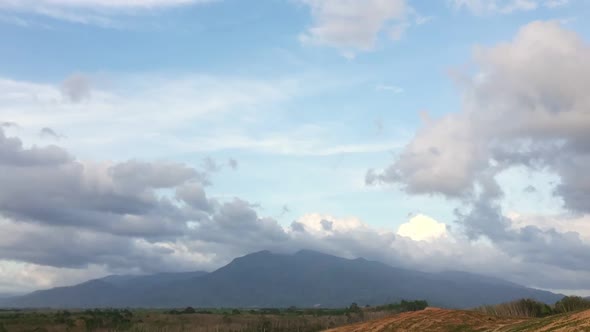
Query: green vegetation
point(403, 306)
point(572, 303)
point(532, 308)
point(198, 319)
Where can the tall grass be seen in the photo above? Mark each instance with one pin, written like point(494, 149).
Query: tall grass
point(518, 308)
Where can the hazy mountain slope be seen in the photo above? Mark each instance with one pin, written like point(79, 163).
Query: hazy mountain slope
point(308, 278)
point(151, 280)
point(111, 291)
point(93, 293)
point(303, 279)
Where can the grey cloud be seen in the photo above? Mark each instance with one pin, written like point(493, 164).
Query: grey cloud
point(210, 165)
point(137, 175)
point(13, 153)
point(233, 164)
point(326, 224)
point(530, 189)
point(47, 186)
point(574, 187)
point(8, 124)
point(47, 132)
point(284, 210)
point(529, 243)
point(194, 195)
point(76, 88)
point(528, 107)
point(297, 227)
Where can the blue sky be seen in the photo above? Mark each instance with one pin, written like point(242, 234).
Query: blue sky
point(305, 103)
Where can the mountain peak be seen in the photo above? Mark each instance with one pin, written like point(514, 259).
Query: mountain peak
point(307, 252)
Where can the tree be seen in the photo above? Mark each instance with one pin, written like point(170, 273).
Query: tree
point(572, 303)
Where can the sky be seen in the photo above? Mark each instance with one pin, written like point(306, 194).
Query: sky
point(144, 136)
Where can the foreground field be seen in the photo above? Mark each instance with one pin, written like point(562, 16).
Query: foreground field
point(197, 320)
point(443, 320)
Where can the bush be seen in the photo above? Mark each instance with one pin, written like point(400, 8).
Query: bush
point(189, 310)
point(518, 308)
point(571, 303)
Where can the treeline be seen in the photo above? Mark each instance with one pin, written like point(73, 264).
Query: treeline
point(533, 308)
point(403, 306)
point(290, 319)
point(354, 308)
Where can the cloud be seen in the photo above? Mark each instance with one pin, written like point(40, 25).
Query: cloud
point(99, 3)
point(204, 114)
point(556, 3)
point(526, 107)
point(63, 220)
point(232, 163)
point(8, 124)
point(505, 6)
point(391, 88)
point(211, 165)
point(76, 88)
point(422, 228)
point(47, 132)
point(355, 25)
point(117, 198)
point(103, 13)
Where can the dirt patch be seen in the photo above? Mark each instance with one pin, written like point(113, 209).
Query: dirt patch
point(445, 320)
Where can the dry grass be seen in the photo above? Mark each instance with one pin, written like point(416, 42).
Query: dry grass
point(442, 320)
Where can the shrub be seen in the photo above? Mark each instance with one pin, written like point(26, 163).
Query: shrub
point(572, 303)
point(518, 308)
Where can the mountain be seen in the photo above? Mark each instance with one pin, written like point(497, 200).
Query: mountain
point(304, 279)
point(110, 291)
point(152, 280)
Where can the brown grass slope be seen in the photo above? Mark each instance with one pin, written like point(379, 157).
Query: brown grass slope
point(445, 320)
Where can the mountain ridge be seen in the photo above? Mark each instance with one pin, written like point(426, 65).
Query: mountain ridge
point(304, 279)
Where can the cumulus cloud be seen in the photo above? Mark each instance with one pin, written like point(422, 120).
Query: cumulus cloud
point(355, 25)
point(422, 228)
point(526, 107)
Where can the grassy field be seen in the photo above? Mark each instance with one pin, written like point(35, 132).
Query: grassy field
point(189, 319)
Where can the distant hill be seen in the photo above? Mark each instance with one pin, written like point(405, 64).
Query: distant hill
point(111, 291)
point(304, 279)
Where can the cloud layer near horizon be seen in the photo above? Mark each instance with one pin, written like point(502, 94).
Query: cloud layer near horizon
point(61, 214)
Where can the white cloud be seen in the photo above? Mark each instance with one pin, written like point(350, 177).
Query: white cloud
point(355, 25)
point(556, 3)
point(505, 6)
point(390, 88)
point(422, 228)
point(315, 223)
point(114, 4)
point(152, 114)
point(95, 12)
